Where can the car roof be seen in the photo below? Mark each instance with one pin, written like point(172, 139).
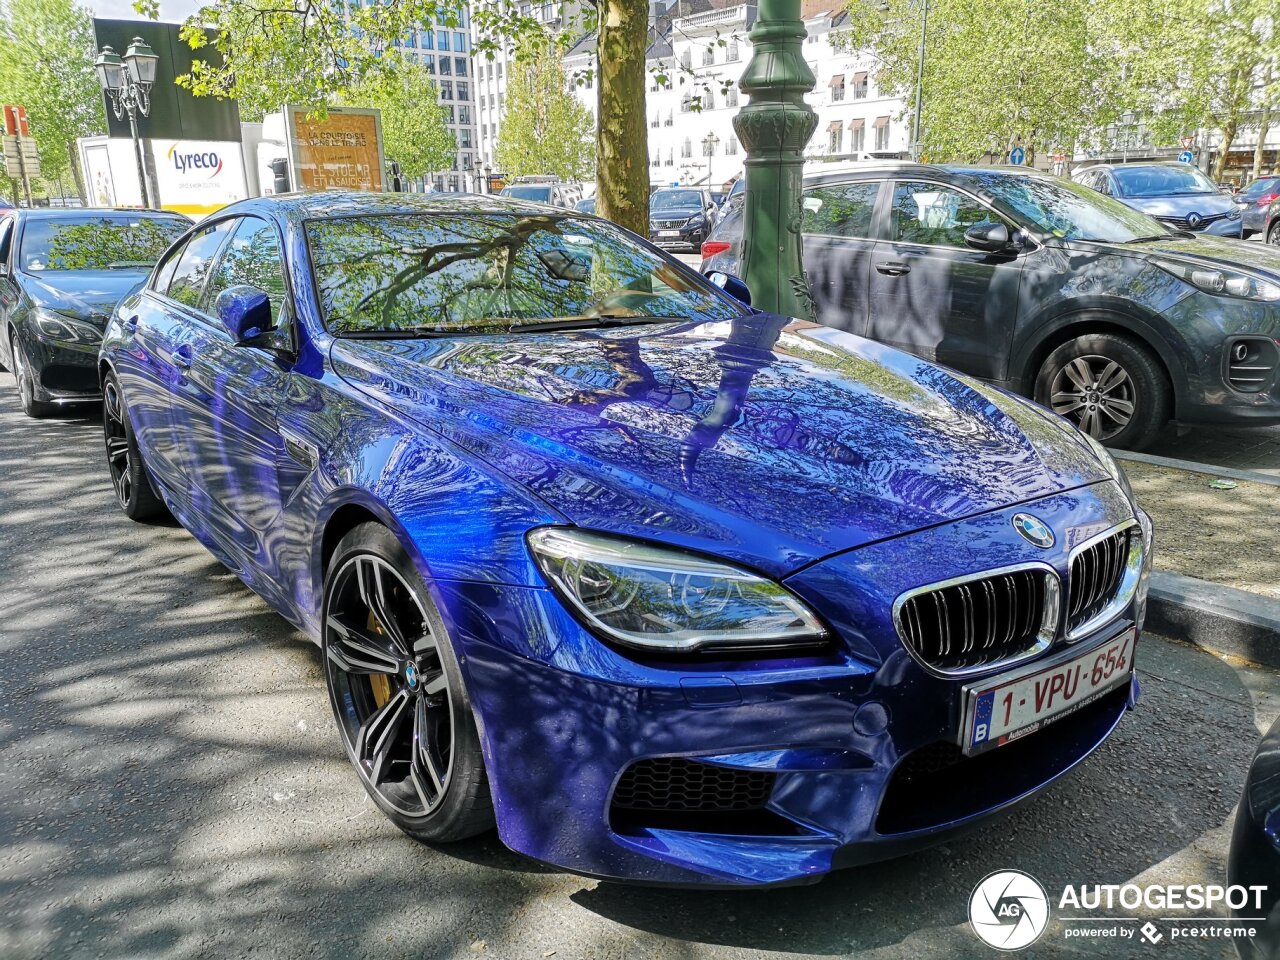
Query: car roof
point(1146, 164)
point(878, 169)
point(60, 213)
point(352, 203)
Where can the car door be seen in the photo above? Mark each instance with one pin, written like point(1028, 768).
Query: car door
point(933, 295)
point(839, 239)
point(151, 366)
point(228, 397)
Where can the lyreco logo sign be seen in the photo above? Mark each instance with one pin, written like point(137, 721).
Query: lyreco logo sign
point(194, 163)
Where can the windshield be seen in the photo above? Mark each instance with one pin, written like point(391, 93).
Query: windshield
point(1067, 209)
point(676, 200)
point(1162, 181)
point(585, 206)
point(115, 242)
point(1260, 188)
point(428, 273)
point(540, 194)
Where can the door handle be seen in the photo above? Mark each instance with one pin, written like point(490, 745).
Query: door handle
point(182, 357)
point(131, 325)
point(892, 268)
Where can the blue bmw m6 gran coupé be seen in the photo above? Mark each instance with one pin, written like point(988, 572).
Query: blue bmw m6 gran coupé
point(667, 588)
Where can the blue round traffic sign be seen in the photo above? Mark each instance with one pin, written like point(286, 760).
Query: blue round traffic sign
point(1016, 156)
point(1186, 156)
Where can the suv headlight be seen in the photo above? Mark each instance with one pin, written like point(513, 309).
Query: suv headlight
point(662, 600)
point(1114, 469)
point(1224, 283)
point(57, 326)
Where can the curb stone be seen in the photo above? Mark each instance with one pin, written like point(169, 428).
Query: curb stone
point(1248, 476)
point(1218, 618)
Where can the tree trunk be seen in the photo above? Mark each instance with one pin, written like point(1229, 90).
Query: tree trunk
point(75, 173)
point(1224, 147)
point(1263, 126)
point(622, 135)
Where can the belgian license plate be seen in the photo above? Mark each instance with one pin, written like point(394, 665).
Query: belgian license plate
point(1005, 708)
point(668, 233)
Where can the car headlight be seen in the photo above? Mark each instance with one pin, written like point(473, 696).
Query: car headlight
point(1114, 469)
point(696, 221)
point(663, 600)
point(1234, 214)
point(57, 326)
point(1226, 283)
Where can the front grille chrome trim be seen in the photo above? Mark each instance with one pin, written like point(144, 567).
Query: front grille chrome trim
point(1128, 581)
point(1050, 618)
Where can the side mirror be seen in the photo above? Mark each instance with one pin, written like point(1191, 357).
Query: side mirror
point(245, 311)
point(988, 237)
point(731, 285)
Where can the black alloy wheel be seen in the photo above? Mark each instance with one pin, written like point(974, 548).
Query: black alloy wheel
point(1109, 386)
point(397, 692)
point(124, 460)
point(22, 373)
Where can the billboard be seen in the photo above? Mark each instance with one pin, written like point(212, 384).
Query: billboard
point(341, 152)
point(197, 177)
point(175, 113)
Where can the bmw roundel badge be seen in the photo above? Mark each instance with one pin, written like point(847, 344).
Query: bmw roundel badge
point(1033, 530)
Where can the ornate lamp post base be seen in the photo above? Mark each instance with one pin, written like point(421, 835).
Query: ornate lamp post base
point(774, 127)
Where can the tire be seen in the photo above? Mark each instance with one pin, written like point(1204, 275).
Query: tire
point(129, 476)
point(1273, 234)
point(22, 375)
point(395, 685)
point(1108, 385)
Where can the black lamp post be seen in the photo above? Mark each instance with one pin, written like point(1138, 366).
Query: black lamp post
point(127, 83)
point(709, 144)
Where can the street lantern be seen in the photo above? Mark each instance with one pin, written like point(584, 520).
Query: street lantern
point(127, 83)
point(709, 144)
point(110, 70)
point(141, 61)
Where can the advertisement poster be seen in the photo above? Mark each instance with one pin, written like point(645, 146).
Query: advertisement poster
point(341, 152)
point(198, 177)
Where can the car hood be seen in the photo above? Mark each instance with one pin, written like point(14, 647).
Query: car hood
point(1221, 251)
point(88, 294)
point(770, 441)
point(1179, 205)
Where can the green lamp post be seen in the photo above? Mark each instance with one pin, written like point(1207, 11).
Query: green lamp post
point(774, 127)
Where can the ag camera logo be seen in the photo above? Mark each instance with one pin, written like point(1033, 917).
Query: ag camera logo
point(1008, 910)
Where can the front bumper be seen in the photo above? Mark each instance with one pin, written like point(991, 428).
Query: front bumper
point(1226, 227)
point(838, 734)
point(63, 372)
point(686, 238)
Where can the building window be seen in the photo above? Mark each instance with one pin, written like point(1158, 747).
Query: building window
point(686, 103)
point(464, 92)
point(446, 89)
point(835, 138)
point(499, 71)
point(709, 147)
point(428, 40)
point(442, 39)
point(731, 97)
point(589, 81)
point(464, 136)
point(429, 62)
point(459, 43)
point(709, 99)
point(460, 66)
point(686, 149)
point(731, 146)
point(464, 114)
point(857, 136)
point(448, 113)
point(882, 133)
point(732, 55)
point(502, 100)
point(671, 119)
point(859, 86)
point(671, 156)
point(484, 131)
point(708, 56)
point(654, 122)
point(837, 88)
point(446, 66)
point(686, 59)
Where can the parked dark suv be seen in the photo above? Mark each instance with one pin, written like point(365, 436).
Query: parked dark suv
point(1047, 287)
point(681, 217)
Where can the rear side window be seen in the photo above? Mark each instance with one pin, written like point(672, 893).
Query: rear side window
point(252, 258)
point(193, 265)
point(934, 215)
point(841, 210)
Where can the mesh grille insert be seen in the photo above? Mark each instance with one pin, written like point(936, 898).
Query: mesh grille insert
point(678, 784)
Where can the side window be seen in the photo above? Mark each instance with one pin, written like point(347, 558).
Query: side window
point(929, 213)
point(252, 257)
point(192, 270)
point(6, 232)
point(1102, 182)
point(164, 275)
point(841, 210)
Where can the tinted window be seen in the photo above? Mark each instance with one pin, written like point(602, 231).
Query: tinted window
point(6, 231)
point(1159, 181)
point(538, 194)
point(1068, 210)
point(932, 214)
point(252, 258)
point(676, 200)
point(192, 270)
point(165, 274)
point(116, 242)
point(842, 210)
point(1261, 187)
point(489, 273)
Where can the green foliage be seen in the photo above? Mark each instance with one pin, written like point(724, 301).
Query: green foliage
point(546, 129)
point(46, 64)
point(99, 244)
point(413, 119)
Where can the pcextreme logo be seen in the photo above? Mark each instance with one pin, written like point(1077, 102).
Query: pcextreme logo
point(186, 162)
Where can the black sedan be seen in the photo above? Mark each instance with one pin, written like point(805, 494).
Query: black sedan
point(1254, 860)
point(61, 272)
point(1046, 287)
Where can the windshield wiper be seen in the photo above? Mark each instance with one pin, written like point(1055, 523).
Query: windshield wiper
point(586, 323)
point(1171, 235)
point(131, 265)
point(415, 333)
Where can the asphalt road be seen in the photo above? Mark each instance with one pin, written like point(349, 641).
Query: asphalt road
point(172, 785)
